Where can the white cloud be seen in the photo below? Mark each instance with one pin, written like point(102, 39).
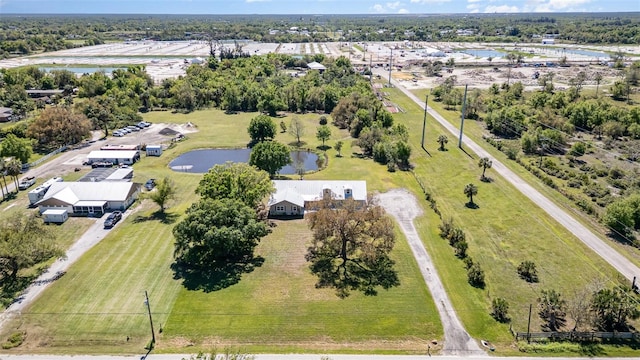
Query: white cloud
point(473, 1)
point(252, 1)
point(393, 5)
point(473, 6)
point(403, 11)
point(378, 8)
point(424, 2)
point(501, 9)
point(474, 11)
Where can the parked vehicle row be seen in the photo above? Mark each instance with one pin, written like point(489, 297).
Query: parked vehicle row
point(131, 128)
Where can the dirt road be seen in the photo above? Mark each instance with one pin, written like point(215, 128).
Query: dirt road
point(403, 206)
point(619, 262)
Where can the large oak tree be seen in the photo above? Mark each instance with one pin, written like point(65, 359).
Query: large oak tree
point(236, 181)
point(57, 126)
point(350, 248)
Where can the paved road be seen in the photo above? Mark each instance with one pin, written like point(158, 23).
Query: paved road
point(403, 206)
point(286, 357)
point(619, 262)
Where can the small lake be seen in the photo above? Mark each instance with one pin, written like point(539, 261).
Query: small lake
point(200, 161)
point(483, 53)
point(594, 54)
point(82, 70)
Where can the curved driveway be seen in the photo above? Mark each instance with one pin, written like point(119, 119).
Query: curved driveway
point(610, 255)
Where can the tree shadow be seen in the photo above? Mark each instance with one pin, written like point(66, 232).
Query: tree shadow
point(323, 147)
point(216, 277)
point(443, 149)
point(164, 217)
point(486, 179)
point(471, 205)
point(11, 288)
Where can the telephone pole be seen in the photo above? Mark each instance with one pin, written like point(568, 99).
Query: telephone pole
point(464, 108)
point(153, 334)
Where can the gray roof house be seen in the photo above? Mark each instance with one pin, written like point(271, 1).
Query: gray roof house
point(89, 198)
point(316, 66)
point(293, 197)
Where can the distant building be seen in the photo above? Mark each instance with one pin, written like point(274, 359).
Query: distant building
point(548, 41)
point(127, 157)
point(316, 66)
point(43, 93)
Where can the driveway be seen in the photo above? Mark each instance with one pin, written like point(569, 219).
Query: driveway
point(403, 206)
point(609, 254)
point(91, 237)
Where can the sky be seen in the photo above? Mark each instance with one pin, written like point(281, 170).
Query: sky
point(310, 6)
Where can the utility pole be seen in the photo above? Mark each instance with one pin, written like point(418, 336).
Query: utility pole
point(529, 325)
point(153, 334)
point(390, 63)
point(424, 121)
point(464, 108)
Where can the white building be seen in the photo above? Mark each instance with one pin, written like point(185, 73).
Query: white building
point(116, 157)
point(89, 198)
point(154, 150)
point(293, 197)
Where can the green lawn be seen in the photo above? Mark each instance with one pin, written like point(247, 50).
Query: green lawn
point(99, 302)
point(506, 229)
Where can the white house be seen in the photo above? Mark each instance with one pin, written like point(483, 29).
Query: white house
point(89, 198)
point(56, 216)
point(293, 197)
point(154, 150)
point(316, 66)
point(127, 157)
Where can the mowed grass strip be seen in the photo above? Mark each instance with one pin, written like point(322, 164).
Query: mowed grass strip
point(506, 229)
point(476, 129)
point(99, 302)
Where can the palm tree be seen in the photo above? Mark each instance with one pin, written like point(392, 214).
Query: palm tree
point(14, 169)
point(469, 191)
point(442, 140)
point(2, 172)
point(485, 164)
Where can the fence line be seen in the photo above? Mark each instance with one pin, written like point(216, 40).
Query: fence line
point(577, 335)
point(44, 158)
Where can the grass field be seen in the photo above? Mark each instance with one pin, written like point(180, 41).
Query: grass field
point(99, 302)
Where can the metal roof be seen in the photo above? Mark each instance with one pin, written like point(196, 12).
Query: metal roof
point(112, 154)
point(311, 190)
point(74, 192)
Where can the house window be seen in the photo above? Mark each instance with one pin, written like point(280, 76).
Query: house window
point(294, 209)
point(279, 208)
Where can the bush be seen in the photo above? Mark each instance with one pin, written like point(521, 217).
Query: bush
point(16, 339)
point(527, 270)
point(475, 276)
point(323, 120)
point(500, 310)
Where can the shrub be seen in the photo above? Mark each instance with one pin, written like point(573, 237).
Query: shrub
point(461, 249)
point(527, 270)
point(323, 120)
point(475, 276)
point(14, 340)
point(500, 310)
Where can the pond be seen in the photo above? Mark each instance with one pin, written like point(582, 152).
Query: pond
point(200, 161)
point(483, 53)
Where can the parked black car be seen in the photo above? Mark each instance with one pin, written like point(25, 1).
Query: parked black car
point(112, 219)
point(150, 184)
